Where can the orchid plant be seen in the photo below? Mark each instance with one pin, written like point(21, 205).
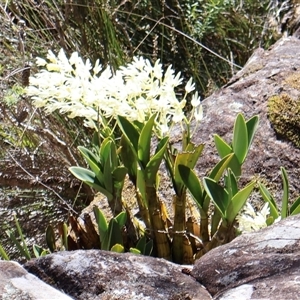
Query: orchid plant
point(140, 100)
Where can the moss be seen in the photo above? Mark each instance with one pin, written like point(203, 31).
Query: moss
point(284, 115)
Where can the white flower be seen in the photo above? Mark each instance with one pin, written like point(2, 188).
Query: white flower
point(198, 114)
point(136, 91)
point(190, 86)
point(195, 102)
point(249, 220)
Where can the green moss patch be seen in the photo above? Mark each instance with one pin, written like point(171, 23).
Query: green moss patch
point(284, 115)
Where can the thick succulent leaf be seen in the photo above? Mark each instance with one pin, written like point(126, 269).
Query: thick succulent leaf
point(188, 158)
point(119, 174)
point(217, 172)
point(240, 139)
point(295, 208)
point(118, 248)
point(148, 248)
point(222, 147)
point(89, 178)
point(130, 131)
point(83, 174)
point(145, 141)
point(191, 181)
point(113, 235)
point(50, 238)
point(269, 198)
point(252, 125)
point(107, 173)
point(238, 201)
point(121, 218)
point(231, 184)
point(141, 244)
point(285, 197)
point(37, 250)
point(215, 222)
point(134, 251)
point(217, 194)
point(155, 161)
point(128, 158)
point(101, 222)
point(91, 158)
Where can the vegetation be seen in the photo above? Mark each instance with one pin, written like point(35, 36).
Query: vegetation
point(191, 36)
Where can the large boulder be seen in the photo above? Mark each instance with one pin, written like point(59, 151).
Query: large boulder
point(258, 265)
point(96, 274)
point(16, 283)
point(270, 77)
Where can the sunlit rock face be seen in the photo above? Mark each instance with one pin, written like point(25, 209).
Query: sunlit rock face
point(16, 283)
point(96, 274)
point(259, 265)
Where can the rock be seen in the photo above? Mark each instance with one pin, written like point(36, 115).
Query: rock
point(258, 265)
point(16, 283)
point(96, 274)
point(268, 73)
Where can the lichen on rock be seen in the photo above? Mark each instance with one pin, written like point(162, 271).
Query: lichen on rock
point(284, 115)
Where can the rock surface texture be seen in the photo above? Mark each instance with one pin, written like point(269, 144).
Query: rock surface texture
point(96, 274)
point(266, 74)
point(17, 284)
point(259, 265)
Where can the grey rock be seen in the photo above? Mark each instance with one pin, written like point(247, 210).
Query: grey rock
point(17, 284)
point(96, 274)
point(258, 265)
point(248, 92)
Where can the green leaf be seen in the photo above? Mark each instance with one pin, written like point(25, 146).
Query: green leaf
point(155, 161)
point(28, 256)
point(83, 174)
point(37, 250)
point(128, 158)
point(117, 248)
point(222, 147)
point(3, 253)
point(220, 167)
point(141, 244)
point(148, 248)
point(50, 238)
point(217, 194)
point(188, 158)
point(295, 208)
point(130, 131)
point(107, 173)
point(285, 197)
point(252, 125)
point(134, 251)
point(121, 218)
point(113, 235)
point(101, 222)
point(235, 166)
point(145, 142)
point(91, 158)
point(89, 178)
point(119, 174)
point(231, 184)
point(238, 201)
point(215, 221)
point(192, 183)
point(240, 139)
point(268, 198)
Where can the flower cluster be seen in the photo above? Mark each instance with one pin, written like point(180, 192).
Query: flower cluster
point(249, 220)
point(135, 91)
